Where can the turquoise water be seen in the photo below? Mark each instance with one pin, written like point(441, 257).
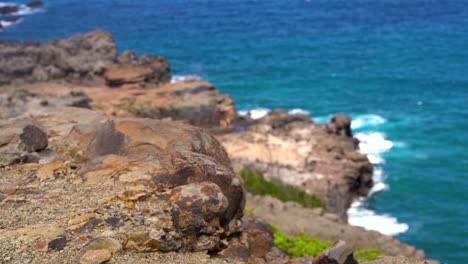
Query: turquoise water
point(404, 63)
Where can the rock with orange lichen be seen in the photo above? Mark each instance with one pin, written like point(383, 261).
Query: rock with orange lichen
point(151, 185)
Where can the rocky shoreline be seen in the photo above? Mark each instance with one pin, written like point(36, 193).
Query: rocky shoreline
point(101, 160)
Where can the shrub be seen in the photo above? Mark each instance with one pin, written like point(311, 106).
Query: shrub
point(300, 245)
point(366, 254)
point(258, 185)
point(308, 246)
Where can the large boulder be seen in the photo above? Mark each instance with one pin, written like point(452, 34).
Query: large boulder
point(137, 185)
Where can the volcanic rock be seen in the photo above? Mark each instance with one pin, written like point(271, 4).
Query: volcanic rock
point(35, 4)
point(81, 56)
point(171, 186)
point(8, 10)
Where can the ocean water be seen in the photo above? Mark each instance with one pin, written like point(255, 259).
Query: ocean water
point(399, 68)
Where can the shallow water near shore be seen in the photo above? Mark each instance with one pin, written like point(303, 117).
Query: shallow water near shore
point(399, 68)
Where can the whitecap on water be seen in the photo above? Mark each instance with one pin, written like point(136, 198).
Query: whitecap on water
point(359, 215)
point(255, 113)
point(185, 78)
point(7, 23)
point(362, 121)
point(298, 111)
point(373, 142)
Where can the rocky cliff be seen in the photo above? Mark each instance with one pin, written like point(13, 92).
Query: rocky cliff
point(99, 162)
point(321, 159)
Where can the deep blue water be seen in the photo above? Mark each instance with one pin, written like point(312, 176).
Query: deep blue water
point(403, 62)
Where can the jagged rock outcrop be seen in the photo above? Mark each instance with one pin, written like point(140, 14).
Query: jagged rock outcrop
point(80, 56)
point(321, 159)
point(135, 185)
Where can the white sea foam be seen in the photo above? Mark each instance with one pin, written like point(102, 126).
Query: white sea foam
point(359, 215)
point(22, 9)
point(374, 144)
point(3, 4)
point(367, 120)
point(185, 78)
point(5, 23)
point(255, 113)
point(299, 111)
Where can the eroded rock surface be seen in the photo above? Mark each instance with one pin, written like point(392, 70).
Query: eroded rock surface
point(108, 186)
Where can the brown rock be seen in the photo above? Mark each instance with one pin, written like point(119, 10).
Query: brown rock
point(340, 125)
point(33, 138)
point(195, 102)
point(259, 235)
point(153, 71)
point(338, 253)
point(52, 170)
point(117, 74)
point(104, 243)
point(96, 256)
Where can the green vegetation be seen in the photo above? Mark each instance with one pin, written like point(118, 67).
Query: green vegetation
point(258, 185)
point(366, 254)
point(300, 245)
point(249, 211)
point(308, 246)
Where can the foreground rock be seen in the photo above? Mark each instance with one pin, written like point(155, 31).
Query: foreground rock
point(338, 253)
point(114, 185)
point(321, 159)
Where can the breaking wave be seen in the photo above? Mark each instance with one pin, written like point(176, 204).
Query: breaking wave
point(373, 144)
